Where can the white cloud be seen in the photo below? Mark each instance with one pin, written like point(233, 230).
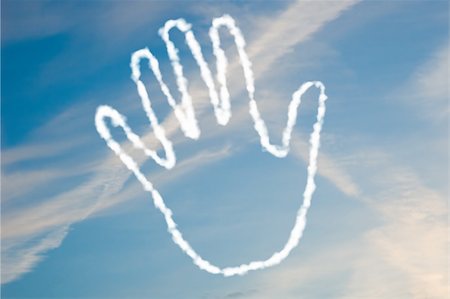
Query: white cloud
point(17, 260)
point(432, 77)
point(406, 256)
point(27, 152)
point(427, 90)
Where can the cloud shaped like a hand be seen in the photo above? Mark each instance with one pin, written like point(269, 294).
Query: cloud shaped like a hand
point(186, 117)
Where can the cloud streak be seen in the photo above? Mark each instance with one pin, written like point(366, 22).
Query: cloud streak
point(427, 89)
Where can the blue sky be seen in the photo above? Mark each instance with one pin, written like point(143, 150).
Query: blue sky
point(75, 223)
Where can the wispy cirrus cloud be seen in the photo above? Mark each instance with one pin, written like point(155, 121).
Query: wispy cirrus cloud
point(427, 90)
point(408, 250)
point(29, 232)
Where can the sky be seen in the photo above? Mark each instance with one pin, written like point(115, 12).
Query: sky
point(76, 223)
